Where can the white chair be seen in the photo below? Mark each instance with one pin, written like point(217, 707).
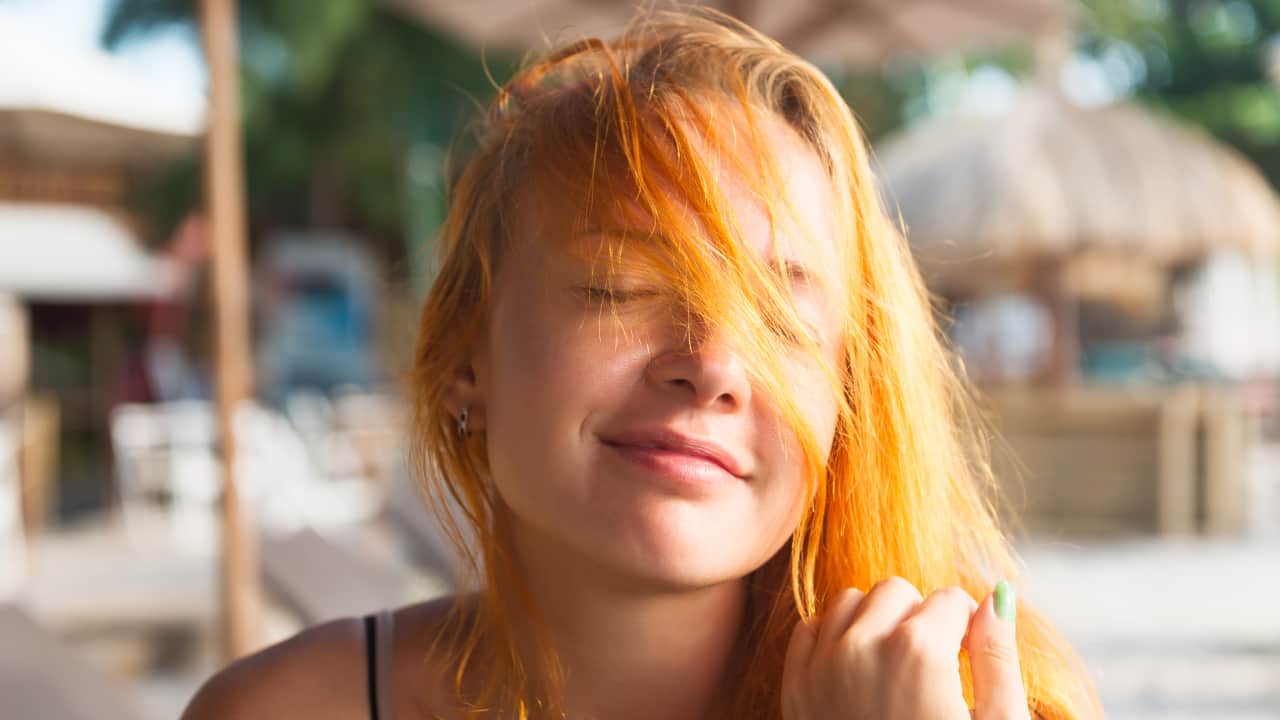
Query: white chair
point(167, 468)
point(289, 487)
point(195, 473)
point(273, 469)
point(139, 448)
point(315, 420)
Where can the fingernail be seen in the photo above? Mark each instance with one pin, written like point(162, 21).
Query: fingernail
point(1005, 605)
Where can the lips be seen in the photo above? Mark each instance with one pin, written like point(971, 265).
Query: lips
point(671, 441)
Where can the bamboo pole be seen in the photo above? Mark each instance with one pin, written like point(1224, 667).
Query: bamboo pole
point(224, 204)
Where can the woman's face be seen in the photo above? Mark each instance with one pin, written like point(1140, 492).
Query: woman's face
point(614, 445)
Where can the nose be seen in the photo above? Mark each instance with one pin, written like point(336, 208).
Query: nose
point(709, 373)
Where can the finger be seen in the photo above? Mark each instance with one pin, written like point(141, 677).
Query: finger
point(799, 650)
point(943, 618)
point(835, 620)
point(795, 669)
point(993, 658)
point(889, 603)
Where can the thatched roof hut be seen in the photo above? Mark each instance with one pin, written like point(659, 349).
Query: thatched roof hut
point(75, 127)
point(82, 109)
point(1115, 195)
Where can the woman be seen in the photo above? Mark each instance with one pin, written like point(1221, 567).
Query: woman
point(707, 456)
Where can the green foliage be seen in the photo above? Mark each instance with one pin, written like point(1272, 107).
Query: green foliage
point(1205, 61)
point(334, 96)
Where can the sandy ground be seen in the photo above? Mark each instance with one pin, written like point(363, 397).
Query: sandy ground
point(1168, 628)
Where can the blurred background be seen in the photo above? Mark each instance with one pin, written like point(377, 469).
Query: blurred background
point(202, 246)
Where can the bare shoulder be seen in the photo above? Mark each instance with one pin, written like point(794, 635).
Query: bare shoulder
point(318, 673)
point(422, 684)
point(321, 672)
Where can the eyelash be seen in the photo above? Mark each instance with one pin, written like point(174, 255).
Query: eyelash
point(605, 295)
point(601, 296)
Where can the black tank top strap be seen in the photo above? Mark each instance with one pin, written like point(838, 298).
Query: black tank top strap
point(371, 662)
point(379, 642)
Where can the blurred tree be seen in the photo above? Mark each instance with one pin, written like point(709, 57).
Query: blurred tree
point(1210, 62)
point(903, 90)
point(878, 102)
point(340, 97)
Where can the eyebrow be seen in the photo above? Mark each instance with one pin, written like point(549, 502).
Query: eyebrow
point(793, 270)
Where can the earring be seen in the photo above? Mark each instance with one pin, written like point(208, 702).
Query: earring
point(462, 421)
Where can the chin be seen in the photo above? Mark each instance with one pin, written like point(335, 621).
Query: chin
point(680, 577)
point(633, 536)
point(666, 564)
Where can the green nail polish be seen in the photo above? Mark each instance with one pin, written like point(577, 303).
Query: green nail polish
point(1005, 605)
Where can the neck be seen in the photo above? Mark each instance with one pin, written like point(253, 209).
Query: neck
point(633, 649)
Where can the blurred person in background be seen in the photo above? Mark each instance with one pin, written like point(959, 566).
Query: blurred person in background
point(710, 458)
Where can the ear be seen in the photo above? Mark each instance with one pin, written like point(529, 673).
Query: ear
point(464, 392)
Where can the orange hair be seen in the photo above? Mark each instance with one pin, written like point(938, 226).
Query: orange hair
point(906, 489)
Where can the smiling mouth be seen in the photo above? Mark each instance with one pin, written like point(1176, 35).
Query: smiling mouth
point(679, 469)
point(677, 455)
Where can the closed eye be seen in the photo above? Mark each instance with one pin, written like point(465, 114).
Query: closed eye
point(613, 295)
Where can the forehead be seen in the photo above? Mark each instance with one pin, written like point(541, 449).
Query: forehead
point(773, 184)
point(789, 219)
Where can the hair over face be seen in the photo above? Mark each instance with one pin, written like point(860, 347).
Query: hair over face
point(627, 132)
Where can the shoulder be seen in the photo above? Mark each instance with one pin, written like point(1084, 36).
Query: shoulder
point(318, 673)
point(321, 673)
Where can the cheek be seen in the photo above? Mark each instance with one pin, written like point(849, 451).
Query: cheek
point(530, 367)
point(823, 395)
point(818, 401)
point(815, 398)
point(781, 499)
point(528, 414)
point(548, 374)
point(537, 355)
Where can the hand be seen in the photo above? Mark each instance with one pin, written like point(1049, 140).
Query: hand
point(892, 655)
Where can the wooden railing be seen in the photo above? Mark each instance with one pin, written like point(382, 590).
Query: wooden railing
point(1099, 460)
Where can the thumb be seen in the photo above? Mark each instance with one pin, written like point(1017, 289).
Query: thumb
point(993, 657)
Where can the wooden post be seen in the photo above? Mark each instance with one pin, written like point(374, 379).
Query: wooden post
point(1225, 447)
point(1064, 354)
point(224, 204)
point(1176, 484)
